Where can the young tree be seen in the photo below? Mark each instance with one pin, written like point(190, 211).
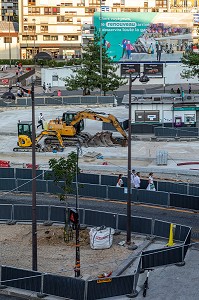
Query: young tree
point(191, 62)
point(88, 76)
point(63, 172)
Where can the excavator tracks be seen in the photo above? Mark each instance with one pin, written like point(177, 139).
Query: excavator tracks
point(100, 139)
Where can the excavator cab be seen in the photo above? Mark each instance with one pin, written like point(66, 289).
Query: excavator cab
point(69, 116)
point(24, 133)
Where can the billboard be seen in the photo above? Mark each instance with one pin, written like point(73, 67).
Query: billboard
point(146, 37)
point(135, 69)
point(153, 70)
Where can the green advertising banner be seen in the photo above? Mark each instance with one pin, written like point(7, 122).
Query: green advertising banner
point(148, 37)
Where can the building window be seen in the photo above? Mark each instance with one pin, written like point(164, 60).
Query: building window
point(29, 37)
point(50, 38)
point(70, 37)
point(7, 39)
point(31, 2)
point(51, 10)
point(44, 28)
point(29, 28)
point(55, 78)
point(64, 19)
point(89, 10)
point(161, 3)
point(33, 10)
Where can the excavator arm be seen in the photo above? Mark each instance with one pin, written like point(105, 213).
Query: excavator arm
point(107, 118)
point(49, 133)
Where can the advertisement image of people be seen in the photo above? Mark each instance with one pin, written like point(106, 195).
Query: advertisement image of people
point(147, 37)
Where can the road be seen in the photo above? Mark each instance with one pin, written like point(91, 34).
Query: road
point(184, 217)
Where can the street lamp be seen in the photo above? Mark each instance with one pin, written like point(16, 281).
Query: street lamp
point(9, 41)
point(77, 223)
point(34, 37)
point(143, 79)
point(10, 95)
point(101, 75)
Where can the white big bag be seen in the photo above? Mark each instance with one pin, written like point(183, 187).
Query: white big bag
point(101, 237)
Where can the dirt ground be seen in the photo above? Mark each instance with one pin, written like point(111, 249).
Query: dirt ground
point(55, 255)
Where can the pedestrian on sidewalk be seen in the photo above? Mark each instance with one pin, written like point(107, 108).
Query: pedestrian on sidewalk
point(151, 186)
point(137, 180)
point(41, 121)
point(133, 174)
point(47, 89)
point(189, 88)
point(59, 93)
point(120, 182)
point(44, 87)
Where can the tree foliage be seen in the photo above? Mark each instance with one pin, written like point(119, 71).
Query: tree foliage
point(88, 76)
point(191, 62)
point(63, 172)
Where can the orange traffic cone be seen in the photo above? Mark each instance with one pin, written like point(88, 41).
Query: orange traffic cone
point(171, 243)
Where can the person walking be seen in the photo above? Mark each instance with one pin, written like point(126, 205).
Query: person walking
point(189, 88)
point(59, 93)
point(178, 90)
point(137, 180)
point(133, 174)
point(158, 51)
point(120, 182)
point(151, 186)
point(41, 121)
point(44, 87)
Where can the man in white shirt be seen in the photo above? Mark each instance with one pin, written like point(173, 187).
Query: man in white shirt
point(41, 121)
point(137, 180)
point(133, 174)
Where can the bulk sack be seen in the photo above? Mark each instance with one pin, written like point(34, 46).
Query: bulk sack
point(101, 237)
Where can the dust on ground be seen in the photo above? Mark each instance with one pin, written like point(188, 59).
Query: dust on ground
point(55, 255)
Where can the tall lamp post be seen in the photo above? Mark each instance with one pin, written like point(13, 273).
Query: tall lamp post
point(101, 75)
point(143, 79)
point(34, 38)
point(9, 42)
point(77, 223)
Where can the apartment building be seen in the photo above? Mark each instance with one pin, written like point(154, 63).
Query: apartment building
point(9, 10)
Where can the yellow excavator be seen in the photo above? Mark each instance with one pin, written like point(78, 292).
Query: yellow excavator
point(71, 125)
point(67, 131)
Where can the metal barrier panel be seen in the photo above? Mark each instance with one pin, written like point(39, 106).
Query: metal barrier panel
point(144, 183)
point(188, 131)
point(99, 218)
point(92, 190)
point(7, 172)
point(162, 256)
point(138, 224)
point(187, 243)
point(141, 225)
point(194, 189)
point(57, 214)
point(184, 201)
point(88, 178)
point(71, 100)
point(113, 287)
point(48, 175)
point(117, 193)
point(14, 277)
point(27, 174)
point(38, 101)
point(152, 197)
point(53, 100)
point(88, 100)
point(66, 287)
point(161, 229)
point(21, 102)
point(5, 212)
point(111, 180)
point(180, 188)
point(41, 186)
point(53, 188)
point(105, 99)
point(7, 184)
point(184, 232)
point(24, 213)
point(25, 185)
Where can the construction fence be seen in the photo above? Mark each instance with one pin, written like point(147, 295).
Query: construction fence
point(75, 288)
point(170, 194)
point(61, 100)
